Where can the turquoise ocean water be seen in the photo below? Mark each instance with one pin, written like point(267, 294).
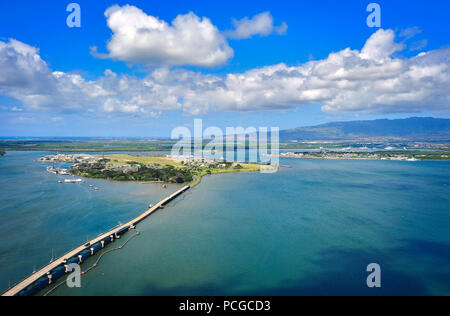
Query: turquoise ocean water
point(309, 229)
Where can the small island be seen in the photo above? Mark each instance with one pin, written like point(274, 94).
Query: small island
point(2, 153)
point(147, 168)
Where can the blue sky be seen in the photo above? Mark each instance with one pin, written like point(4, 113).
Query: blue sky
point(314, 30)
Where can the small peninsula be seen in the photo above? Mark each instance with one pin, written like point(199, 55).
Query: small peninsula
point(147, 168)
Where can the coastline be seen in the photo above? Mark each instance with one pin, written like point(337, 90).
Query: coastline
point(368, 159)
point(192, 183)
point(374, 156)
point(145, 168)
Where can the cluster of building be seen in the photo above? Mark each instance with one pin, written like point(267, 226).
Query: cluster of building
point(346, 155)
point(83, 160)
point(202, 162)
point(329, 155)
point(124, 168)
point(70, 158)
point(401, 158)
point(104, 165)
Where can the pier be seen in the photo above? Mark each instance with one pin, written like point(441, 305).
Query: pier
point(56, 269)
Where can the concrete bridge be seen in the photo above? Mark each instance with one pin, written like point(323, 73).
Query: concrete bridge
point(109, 236)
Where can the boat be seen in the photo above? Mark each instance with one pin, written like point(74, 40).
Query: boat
point(73, 181)
point(52, 169)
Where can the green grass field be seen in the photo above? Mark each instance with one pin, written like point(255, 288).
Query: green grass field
point(143, 159)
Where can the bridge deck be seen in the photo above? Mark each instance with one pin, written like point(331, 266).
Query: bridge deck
point(43, 272)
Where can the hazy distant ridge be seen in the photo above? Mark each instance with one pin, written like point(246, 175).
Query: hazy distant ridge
point(416, 127)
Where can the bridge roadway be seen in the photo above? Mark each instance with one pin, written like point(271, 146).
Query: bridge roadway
point(60, 261)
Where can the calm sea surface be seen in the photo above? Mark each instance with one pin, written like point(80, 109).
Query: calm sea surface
point(309, 229)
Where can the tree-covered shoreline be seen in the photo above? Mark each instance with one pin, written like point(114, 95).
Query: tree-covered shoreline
point(137, 172)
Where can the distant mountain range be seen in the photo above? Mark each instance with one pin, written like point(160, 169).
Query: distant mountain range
point(418, 128)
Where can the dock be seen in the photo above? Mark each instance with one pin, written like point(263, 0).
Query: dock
point(29, 285)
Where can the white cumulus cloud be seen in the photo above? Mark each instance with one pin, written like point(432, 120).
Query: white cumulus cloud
point(370, 80)
point(261, 24)
point(141, 38)
point(21, 66)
